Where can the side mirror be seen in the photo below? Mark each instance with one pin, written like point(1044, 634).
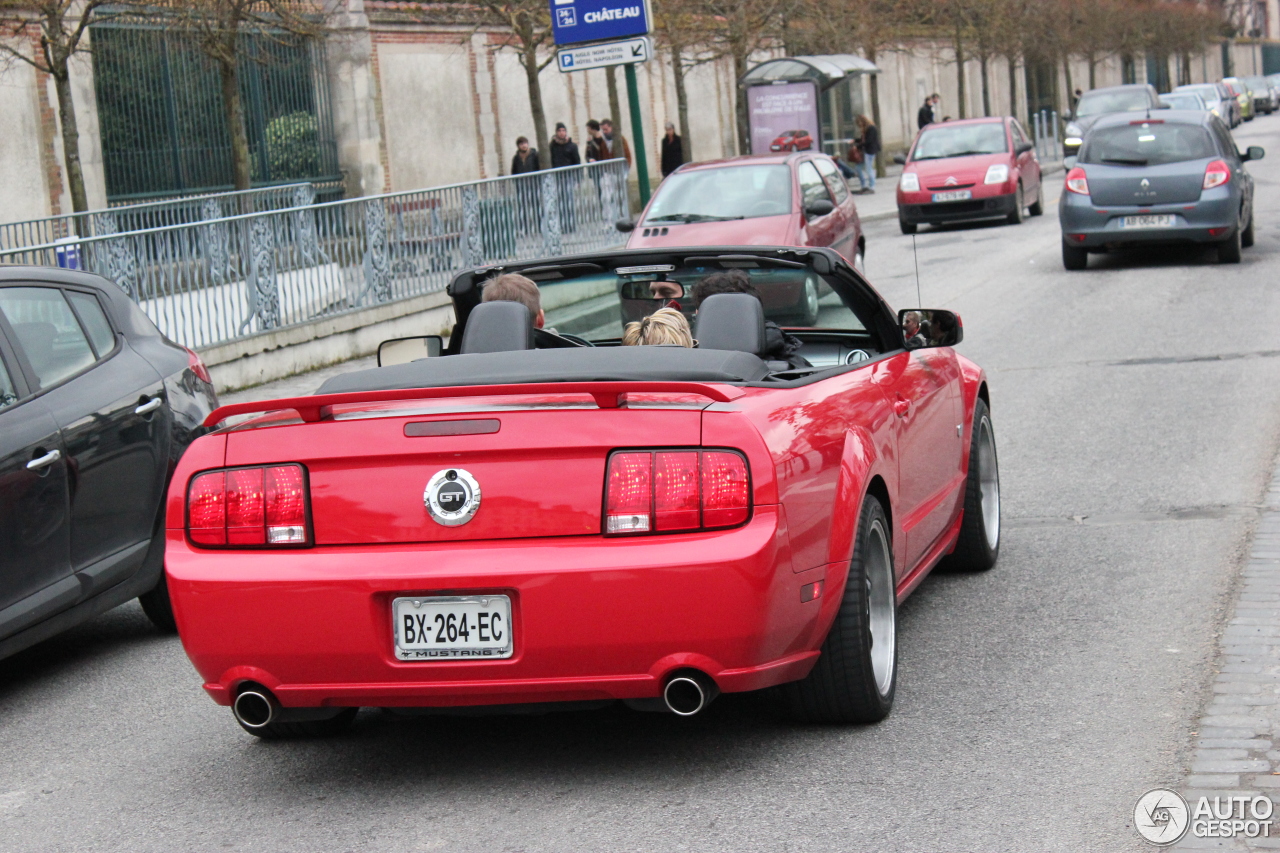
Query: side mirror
point(923, 328)
point(1023, 148)
point(900, 159)
point(626, 226)
point(405, 350)
point(821, 207)
point(1254, 152)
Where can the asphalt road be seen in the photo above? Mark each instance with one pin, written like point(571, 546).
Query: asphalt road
point(1137, 409)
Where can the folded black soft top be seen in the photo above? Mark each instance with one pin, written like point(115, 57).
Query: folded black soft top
point(579, 364)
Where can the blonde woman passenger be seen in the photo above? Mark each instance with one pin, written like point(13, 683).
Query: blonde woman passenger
point(664, 327)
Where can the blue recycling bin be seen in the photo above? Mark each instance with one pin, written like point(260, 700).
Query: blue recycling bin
point(68, 253)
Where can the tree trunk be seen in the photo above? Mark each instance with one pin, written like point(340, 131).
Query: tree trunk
point(1093, 71)
point(233, 113)
point(1012, 62)
point(1071, 89)
point(986, 86)
point(70, 140)
point(529, 59)
point(875, 108)
point(962, 90)
point(682, 101)
point(615, 105)
point(740, 99)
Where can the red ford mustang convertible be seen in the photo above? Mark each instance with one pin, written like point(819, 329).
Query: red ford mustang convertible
point(547, 516)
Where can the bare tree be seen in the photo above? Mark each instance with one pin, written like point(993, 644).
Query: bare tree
point(219, 28)
point(530, 24)
point(64, 25)
point(685, 30)
point(744, 27)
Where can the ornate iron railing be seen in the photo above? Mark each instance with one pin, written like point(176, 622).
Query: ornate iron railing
point(213, 281)
point(154, 214)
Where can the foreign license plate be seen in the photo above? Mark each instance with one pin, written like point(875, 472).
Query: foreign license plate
point(1155, 220)
point(452, 626)
point(954, 195)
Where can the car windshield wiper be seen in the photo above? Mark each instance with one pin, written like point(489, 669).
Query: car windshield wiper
point(956, 154)
point(690, 217)
point(1125, 161)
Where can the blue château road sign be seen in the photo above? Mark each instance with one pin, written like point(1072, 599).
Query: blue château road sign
point(578, 21)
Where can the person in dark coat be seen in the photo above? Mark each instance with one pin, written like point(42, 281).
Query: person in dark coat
point(928, 113)
point(672, 150)
point(528, 190)
point(868, 143)
point(778, 345)
point(564, 152)
point(525, 159)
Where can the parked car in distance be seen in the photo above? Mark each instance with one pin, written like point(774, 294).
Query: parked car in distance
point(1264, 96)
point(1243, 97)
point(792, 140)
point(1177, 178)
point(506, 525)
point(1096, 103)
point(96, 408)
point(753, 201)
point(1217, 98)
point(1183, 101)
point(956, 171)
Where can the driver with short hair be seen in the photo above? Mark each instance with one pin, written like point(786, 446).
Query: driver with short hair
point(778, 345)
point(513, 287)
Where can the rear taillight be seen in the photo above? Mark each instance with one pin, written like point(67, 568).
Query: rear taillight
point(1077, 181)
point(197, 366)
point(1216, 174)
point(666, 491)
point(263, 505)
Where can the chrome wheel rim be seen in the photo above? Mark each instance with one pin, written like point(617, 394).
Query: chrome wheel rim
point(989, 483)
point(882, 612)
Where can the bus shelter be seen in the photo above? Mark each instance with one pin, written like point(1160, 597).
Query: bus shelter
point(820, 95)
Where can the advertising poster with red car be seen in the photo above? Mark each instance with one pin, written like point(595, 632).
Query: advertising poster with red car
point(785, 115)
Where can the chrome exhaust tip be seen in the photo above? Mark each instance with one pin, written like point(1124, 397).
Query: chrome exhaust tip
point(685, 696)
point(254, 709)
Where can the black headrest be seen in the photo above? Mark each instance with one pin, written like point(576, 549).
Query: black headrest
point(732, 321)
point(498, 327)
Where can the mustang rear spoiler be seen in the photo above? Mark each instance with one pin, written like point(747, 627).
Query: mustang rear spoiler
point(606, 394)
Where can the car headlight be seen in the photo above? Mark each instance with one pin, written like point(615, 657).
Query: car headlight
point(997, 173)
point(909, 182)
point(1073, 141)
point(1074, 129)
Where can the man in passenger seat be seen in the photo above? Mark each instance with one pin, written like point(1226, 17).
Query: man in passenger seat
point(513, 287)
point(779, 346)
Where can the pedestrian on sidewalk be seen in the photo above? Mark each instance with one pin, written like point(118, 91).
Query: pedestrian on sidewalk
point(564, 152)
point(868, 144)
point(672, 150)
point(597, 146)
point(525, 159)
point(928, 113)
point(618, 146)
point(529, 199)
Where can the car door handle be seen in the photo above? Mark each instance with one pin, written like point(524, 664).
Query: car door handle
point(149, 406)
point(48, 459)
point(902, 407)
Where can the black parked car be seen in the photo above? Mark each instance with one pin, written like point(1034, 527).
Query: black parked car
point(96, 407)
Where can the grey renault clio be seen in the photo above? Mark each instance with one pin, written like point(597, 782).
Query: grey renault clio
point(1173, 176)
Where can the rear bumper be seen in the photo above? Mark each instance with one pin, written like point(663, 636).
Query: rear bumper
point(990, 207)
point(592, 618)
point(1210, 220)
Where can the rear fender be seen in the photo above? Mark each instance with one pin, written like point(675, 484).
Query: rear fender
point(973, 382)
point(206, 452)
point(859, 462)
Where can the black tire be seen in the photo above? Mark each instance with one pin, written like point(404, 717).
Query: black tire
point(843, 686)
point(808, 309)
point(907, 227)
point(975, 549)
point(305, 728)
point(1246, 236)
point(1074, 257)
point(1229, 249)
point(1019, 206)
point(1037, 209)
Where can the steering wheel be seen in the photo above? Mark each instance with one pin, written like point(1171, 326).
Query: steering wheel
point(582, 342)
point(764, 207)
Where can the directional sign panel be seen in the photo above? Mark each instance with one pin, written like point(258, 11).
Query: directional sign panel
point(600, 55)
point(578, 21)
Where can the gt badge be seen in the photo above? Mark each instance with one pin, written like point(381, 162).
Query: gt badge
point(452, 497)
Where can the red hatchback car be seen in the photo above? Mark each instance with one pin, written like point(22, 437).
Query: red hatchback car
point(982, 168)
point(539, 518)
point(765, 200)
point(792, 140)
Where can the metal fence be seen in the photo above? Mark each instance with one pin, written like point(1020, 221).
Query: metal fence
point(156, 214)
point(211, 282)
point(1044, 129)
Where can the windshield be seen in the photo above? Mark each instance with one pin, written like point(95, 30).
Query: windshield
point(732, 192)
point(1208, 93)
point(1147, 144)
point(1186, 101)
point(938, 141)
point(1097, 103)
point(597, 306)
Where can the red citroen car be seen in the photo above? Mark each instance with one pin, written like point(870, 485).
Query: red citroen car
point(555, 518)
point(792, 140)
point(764, 200)
point(982, 168)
